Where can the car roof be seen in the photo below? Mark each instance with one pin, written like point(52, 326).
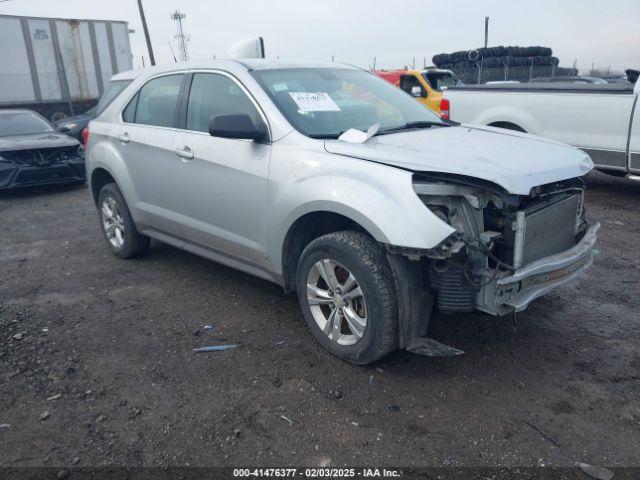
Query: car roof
point(229, 64)
point(126, 75)
point(270, 64)
point(437, 70)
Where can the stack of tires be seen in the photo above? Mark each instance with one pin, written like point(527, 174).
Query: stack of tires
point(502, 63)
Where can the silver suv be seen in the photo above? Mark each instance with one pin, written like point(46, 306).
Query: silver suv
point(336, 185)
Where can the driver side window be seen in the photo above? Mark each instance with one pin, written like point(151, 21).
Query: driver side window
point(213, 94)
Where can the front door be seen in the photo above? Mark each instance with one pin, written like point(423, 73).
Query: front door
point(223, 183)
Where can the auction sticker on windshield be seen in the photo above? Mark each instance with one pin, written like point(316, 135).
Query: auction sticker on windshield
point(314, 102)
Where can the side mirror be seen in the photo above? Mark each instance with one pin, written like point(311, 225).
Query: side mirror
point(237, 126)
point(64, 129)
point(417, 91)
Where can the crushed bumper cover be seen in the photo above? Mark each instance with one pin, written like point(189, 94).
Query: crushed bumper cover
point(14, 176)
point(517, 290)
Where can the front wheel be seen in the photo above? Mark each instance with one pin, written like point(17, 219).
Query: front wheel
point(117, 224)
point(346, 293)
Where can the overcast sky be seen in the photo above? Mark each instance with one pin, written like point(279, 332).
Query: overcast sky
point(591, 31)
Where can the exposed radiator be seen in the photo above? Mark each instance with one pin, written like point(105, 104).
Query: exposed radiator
point(549, 228)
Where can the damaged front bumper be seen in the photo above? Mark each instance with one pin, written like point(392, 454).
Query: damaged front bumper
point(516, 290)
point(14, 175)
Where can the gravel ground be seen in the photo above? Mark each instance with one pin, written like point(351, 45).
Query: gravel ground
point(97, 367)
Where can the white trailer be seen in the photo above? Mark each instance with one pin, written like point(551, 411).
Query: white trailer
point(56, 66)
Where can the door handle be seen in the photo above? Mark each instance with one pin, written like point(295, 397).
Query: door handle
point(185, 153)
point(124, 138)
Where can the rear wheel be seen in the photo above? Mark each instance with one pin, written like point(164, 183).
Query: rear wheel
point(117, 225)
point(345, 290)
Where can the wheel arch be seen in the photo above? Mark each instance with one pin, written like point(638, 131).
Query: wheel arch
point(307, 228)
point(507, 126)
point(99, 178)
point(509, 115)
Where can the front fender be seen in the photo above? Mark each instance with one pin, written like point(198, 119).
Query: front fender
point(378, 197)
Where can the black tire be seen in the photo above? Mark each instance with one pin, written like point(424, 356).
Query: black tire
point(134, 243)
point(366, 259)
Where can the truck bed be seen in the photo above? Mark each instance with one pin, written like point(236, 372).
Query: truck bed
point(611, 88)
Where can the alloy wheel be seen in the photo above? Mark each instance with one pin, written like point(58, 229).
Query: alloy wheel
point(112, 222)
point(337, 302)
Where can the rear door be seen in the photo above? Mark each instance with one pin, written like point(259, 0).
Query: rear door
point(146, 141)
point(634, 139)
point(223, 186)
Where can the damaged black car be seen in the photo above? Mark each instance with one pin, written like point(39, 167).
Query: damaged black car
point(33, 153)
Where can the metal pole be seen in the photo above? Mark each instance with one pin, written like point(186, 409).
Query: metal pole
point(486, 31)
point(531, 69)
point(152, 59)
point(66, 90)
point(178, 16)
point(175, 60)
point(183, 46)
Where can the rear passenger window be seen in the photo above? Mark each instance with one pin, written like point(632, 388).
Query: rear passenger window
point(212, 94)
point(129, 113)
point(155, 103)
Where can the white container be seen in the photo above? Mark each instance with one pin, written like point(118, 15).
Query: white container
point(52, 60)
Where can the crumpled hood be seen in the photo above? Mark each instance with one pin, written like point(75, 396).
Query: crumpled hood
point(35, 141)
point(515, 161)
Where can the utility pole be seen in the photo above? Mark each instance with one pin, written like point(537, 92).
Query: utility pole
point(178, 16)
point(152, 59)
point(486, 31)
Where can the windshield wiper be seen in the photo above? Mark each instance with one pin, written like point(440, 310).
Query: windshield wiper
point(326, 136)
point(412, 125)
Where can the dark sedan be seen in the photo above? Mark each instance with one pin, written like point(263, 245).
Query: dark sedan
point(73, 126)
point(33, 153)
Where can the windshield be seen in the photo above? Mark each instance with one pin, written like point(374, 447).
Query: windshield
point(112, 91)
point(441, 80)
point(325, 102)
point(22, 123)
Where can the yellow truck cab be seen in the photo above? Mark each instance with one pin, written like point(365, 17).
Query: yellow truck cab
point(425, 85)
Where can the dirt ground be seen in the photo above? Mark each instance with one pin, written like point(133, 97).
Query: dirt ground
point(97, 367)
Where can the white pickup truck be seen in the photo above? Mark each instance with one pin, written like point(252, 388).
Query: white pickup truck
point(599, 119)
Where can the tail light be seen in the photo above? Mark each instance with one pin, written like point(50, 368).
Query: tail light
point(85, 137)
point(444, 108)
